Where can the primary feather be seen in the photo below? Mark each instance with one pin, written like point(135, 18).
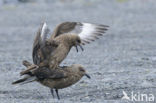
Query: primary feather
point(39, 43)
point(86, 31)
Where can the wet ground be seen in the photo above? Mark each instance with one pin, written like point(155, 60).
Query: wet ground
point(122, 60)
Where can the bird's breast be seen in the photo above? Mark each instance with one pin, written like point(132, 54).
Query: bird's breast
point(61, 52)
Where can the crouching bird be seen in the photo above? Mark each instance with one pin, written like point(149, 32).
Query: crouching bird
point(59, 78)
point(50, 52)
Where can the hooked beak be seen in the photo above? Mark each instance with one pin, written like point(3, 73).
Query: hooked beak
point(87, 76)
point(79, 46)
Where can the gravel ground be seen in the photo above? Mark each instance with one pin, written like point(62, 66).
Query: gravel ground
point(122, 60)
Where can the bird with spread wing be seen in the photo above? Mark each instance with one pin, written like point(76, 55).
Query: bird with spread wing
point(52, 51)
point(48, 53)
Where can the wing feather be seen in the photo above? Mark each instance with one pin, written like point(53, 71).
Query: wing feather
point(91, 32)
point(39, 43)
point(88, 32)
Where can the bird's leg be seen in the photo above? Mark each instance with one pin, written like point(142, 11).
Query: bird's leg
point(53, 64)
point(52, 92)
point(56, 90)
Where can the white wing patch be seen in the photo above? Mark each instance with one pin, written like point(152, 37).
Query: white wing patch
point(44, 32)
point(87, 29)
point(90, 32)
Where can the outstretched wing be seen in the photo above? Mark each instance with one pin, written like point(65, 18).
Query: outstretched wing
point(39, 43)
point(86, 31)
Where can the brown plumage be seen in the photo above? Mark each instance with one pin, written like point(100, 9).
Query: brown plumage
point(59, 78)
point(50, 52)
point(42, 48)
point(29, 66)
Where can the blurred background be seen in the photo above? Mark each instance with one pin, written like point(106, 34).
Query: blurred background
point(122, 60)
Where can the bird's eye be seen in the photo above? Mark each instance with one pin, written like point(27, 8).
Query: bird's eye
point(79, 41)
point(81, 69)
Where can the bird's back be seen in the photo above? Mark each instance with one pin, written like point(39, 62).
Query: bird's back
point(70, 78)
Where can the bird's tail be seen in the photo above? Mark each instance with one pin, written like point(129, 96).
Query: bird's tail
point(25, 80)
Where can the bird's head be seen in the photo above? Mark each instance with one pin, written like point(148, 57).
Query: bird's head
point(79, 69)
point(76, 41)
